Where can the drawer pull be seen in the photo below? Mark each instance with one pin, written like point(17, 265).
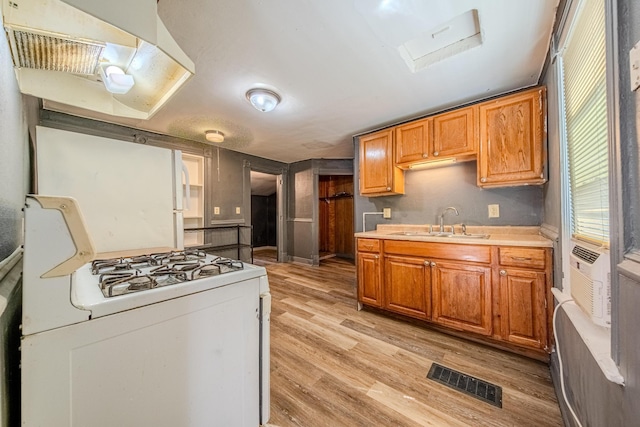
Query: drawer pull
point(376, 256)
point(520, 258)
point(369, 247)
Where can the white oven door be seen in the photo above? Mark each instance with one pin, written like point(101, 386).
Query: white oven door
point(190, 361)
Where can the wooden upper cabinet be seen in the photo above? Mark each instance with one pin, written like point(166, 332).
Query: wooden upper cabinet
point(512, 148)
point(455, 134)
point(378, 174)
point(413, 142)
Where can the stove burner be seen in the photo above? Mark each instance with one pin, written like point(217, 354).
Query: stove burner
point(140, 282)
point(123, 282)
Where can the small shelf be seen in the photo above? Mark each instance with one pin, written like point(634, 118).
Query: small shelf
point(209, 239)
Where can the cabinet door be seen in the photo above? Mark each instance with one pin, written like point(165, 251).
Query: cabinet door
point(378, 175)
point(408, 286)
point(454, 133)
point(522, 305)
point(462, 296)
point(369, 279)
point(413, 141)
point(512, 140)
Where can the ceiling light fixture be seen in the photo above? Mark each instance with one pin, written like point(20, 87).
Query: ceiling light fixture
point(214, 136)
point(263, 99)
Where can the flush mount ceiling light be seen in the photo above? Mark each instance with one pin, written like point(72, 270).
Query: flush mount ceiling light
point(263, 99)
point(214, 136)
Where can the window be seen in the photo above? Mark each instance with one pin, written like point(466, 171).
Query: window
point(585, 113)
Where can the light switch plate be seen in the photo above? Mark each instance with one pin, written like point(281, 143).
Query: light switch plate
point(494, 211)
point(634, 66)
point(238, 210)
point(216, 210)
point(386, 213)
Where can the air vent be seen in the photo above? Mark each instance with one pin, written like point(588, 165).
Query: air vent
point(46, 52)
point(585, 254)
point(485, 391)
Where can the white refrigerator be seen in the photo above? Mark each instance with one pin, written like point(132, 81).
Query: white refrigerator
point(131, 194)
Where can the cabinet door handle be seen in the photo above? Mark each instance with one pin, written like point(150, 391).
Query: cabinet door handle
point(425, 155)
point(433, 264)
point(435, 153)
point(483, 179)
point(388, 188)
point(503, 272)
point(427, 263)
point(520, 258)
point(376, 256)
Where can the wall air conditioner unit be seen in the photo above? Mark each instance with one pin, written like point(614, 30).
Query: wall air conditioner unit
point(589, 278)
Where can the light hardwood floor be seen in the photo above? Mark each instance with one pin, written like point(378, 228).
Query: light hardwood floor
point(332, 365)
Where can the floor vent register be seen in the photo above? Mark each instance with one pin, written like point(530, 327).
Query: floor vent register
point(472, 386)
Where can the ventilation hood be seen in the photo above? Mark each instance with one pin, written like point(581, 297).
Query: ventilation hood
point(61, 49)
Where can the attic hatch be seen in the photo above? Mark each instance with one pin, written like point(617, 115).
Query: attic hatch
point(444, 41)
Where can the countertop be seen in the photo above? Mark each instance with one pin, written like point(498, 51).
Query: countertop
point(498, 235)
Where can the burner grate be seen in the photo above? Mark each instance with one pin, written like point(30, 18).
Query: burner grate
point(482, 390)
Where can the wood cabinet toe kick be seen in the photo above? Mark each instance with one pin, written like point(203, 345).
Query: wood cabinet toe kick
point(499, 295)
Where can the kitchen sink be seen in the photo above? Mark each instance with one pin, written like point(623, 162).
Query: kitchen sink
point(443, 235)
point(465, 236)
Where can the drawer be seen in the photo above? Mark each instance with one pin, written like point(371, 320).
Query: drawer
point(523, 257)
point(368, 245)
point(448, 251)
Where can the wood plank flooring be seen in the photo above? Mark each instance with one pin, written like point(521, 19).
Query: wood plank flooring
point(332, 365)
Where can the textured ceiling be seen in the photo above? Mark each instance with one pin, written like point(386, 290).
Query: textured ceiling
point(337, 67)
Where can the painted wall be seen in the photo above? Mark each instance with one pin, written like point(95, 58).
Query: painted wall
point(429, 191)
point(597, 401)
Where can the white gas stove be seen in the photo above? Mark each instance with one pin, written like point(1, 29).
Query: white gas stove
point(184, 328)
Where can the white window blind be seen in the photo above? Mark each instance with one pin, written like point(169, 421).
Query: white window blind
point(585, 104)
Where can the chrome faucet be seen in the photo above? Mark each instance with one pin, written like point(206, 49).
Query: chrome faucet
point(442, 219)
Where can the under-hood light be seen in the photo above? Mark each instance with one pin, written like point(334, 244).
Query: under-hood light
point(115, 80)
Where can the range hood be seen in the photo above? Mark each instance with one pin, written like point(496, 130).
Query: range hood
point(61, 49)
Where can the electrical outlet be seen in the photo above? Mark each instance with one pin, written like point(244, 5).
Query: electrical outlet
point(237, 210)
point(216, 210)
point(386, 213)
point(494, 211)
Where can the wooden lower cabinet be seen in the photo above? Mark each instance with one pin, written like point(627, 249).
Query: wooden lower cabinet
point(523, 307)
point(407, 286)
point(369, 279)
point(462, 296)
point(500, 293)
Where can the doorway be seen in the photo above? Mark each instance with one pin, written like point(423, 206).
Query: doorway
point(335, 216)
point(264, 217)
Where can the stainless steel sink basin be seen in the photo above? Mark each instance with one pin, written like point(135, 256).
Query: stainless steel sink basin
point(411, 233)
point(436, 234)
point(466, 236)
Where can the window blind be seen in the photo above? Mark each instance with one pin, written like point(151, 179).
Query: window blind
point(585, 104)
